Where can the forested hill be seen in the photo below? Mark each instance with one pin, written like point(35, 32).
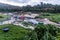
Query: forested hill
point(7, 7)
point(42, 7)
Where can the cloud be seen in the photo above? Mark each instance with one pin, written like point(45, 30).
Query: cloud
point(19, 1)
point(52, 1)
point(28, 2)
point(33, 2)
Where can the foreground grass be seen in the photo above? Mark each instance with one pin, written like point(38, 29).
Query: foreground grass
point(18, 33)
point(14, 33)
point(58, 35)
point(53, 17)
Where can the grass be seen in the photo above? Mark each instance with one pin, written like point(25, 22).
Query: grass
point(2, 16)
point(58, 35)
point(55, 17)
point(14, 33)
point(51, 16)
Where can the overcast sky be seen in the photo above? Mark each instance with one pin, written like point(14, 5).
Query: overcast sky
point(28, 2)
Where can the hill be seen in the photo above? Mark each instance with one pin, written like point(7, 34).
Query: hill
point(7, 7)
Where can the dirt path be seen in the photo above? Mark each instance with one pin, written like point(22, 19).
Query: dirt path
point(20, 24)
point(47, 21)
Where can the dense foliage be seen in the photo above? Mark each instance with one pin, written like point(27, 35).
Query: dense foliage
point(58, 36)
point(45, 32)
point(42, 7)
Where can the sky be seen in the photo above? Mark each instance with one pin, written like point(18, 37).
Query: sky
point(28, 2)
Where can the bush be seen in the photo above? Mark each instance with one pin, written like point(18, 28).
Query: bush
point(45, 14)
point(46, 32)
point(1, 17)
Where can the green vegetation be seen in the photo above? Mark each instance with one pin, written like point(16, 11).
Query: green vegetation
point(44, 32)
point(41, 32)
point(55, 17)
point(28, 24)
point(51, 16)
point(14, 33)
point(58, 36)
point(42, 7)
point(2, 17)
